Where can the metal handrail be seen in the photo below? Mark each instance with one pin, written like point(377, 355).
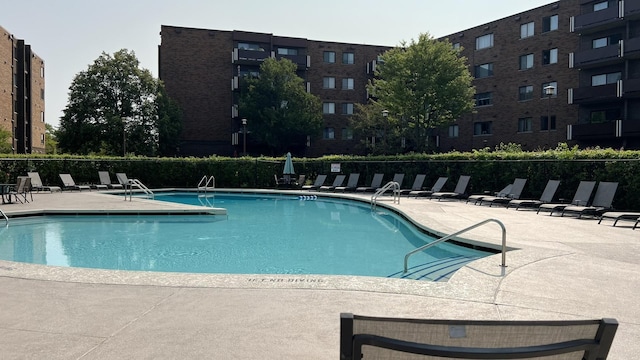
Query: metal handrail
point(390, 185)
point(206, 180)
point(5, 216)
point(448, 237)
point(140, 185)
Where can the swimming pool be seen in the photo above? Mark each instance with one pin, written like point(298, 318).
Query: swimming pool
point(262, 234)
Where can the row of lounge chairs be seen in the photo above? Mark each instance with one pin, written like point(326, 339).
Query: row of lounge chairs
point(68, 183)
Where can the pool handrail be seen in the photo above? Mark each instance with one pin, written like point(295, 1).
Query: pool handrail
point(448, 237)
point(5, 216)
point(204, 183)
point(140, 185)
point(391, 185)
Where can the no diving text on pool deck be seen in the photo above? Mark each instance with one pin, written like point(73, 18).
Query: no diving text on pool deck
point(281, 280)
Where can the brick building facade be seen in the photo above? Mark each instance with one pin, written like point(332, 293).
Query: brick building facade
point(22, 85)
point(568, 72)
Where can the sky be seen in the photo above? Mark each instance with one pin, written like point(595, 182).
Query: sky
point(70, 34)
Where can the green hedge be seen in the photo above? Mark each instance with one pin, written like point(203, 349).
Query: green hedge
point(489, 170)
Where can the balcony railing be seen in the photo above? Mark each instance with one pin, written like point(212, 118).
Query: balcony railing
point(606, 130)
point(631, 9)
point(596, 19)
point(303, 61)
point(632, 48)
point(600, 56)
point(589, 94)
point(249, 57)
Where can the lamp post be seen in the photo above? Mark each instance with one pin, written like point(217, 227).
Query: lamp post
point(385, 114)
point(549, 91)
point(244, 135)
point(124, 138)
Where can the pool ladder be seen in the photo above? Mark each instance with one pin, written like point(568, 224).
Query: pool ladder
point(4, 216)
point(448, 237)
point(391, 185)
point(135, 182)
point(206, 183)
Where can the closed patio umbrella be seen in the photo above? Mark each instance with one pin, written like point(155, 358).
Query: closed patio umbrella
point(288, 169)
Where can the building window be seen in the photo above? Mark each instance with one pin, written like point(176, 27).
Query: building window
point(546, 125)
point(484, 41)
point(525, 93)
point(604, 79)
point(482, 128)
point(606, 41)
point(328, 108)
point(250, 46)
point(347, 84)
point(287, 51)
point(42, 116)
point(550, 23)
point(484, 99)
point(456, 46)
point(483, 71)
point(42, 139)
point(525, 124)
point(526, 61)
point(329, 83)
point(600, 6)
point(454, 131)
point(41, 72)
point(604, 115)
point(347, 134)
point(329, 133)
point(347, 108)
point(555, 87)
point(526, 30)
point(42, 94)
point(329, 57)
point(348, 58)
point(550, 56)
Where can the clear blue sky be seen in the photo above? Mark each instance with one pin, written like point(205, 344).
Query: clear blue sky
point(70, 34)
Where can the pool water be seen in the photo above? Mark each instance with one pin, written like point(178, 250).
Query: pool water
point(260, 235)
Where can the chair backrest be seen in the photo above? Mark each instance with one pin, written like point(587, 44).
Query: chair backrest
point(439, 184)
point(397, 338)
point(67, 180)
point(20, 184)
point(604, 194)
point(398, 178)
point(417, 183)
point(505, 191)
point(549, 191)
point(353, 180)
point(516, 189)
point(35, 179)
point(338, 180)
point(461, 186)
point(583, 193)
point(122, 178)
point(376, 182)
point(105, 179)
point(320, 180)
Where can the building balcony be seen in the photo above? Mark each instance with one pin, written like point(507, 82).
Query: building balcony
point(632, 10)
point(596, 57)
point(631, 48)
point(594, 94)
point(598, 20)
point(249, 57)
point(606, 130)
point(303, 61)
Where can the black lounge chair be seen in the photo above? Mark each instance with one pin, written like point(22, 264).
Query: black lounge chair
point(476, 198)
point(437, 186)
point(580, 198)
point(417, 184)
point(458, 192)
point(376, 182)
point(338, 181)
point(621, 215)
point(352, 183)
point(316, 185)
point(513, 193)
point(105, 180)
point(365, 337)
point(36, 183)
point(602, 201)
point(546, 197)
point(69, 184)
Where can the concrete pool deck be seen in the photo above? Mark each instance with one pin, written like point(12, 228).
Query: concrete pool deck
point(560, 268)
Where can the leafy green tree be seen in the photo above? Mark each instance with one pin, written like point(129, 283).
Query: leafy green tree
point(281, 114)
point(423, 85)
point(51, 139)
point(6, 146)
point(169, 123)
point(111, 109)
point(379, 133)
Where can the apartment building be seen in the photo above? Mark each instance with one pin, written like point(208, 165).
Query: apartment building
point(568, 71)
point(22, 85)
point(201, 68)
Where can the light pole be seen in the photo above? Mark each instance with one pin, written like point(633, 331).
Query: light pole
point(549, 91)
point(385, 114)
point(124, 138)
point(244, 134)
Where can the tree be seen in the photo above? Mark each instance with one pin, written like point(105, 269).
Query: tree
point(51, 142)
point(6, 144)
point(280, 112)
point(423, 85)
point(111, 109)
point(169, 123)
